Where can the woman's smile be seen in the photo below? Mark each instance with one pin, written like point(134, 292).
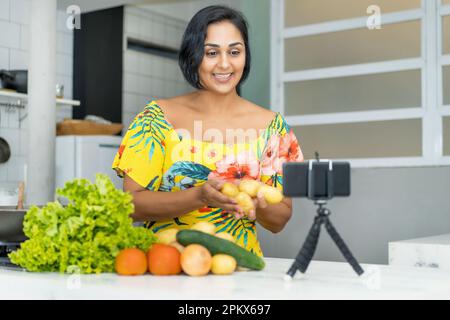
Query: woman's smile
point(222, 77)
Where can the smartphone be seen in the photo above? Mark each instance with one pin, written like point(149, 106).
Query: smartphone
point(316, 179)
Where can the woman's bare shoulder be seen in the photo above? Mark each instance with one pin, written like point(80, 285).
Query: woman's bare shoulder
point(258, 113)
point(168, 103)
point(173, 107)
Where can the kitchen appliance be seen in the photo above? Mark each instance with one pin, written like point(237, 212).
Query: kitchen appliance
point(84, 156)
point(5, 249)
point(11, 224)
point(14, 80)
point(11, 233)
point(5, 150)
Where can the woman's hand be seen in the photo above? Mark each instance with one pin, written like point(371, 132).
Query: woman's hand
point(211, 196)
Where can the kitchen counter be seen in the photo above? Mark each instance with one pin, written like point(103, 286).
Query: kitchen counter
point(324, 280)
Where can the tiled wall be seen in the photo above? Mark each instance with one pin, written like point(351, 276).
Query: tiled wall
point(14, 51)
point(149, 76)
point(185, 10)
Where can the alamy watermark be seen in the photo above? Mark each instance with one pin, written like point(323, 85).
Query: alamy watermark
point(73, 20)
point(374, 20)
point(74, 280)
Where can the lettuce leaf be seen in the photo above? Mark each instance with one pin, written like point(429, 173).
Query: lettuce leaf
point(86, 235)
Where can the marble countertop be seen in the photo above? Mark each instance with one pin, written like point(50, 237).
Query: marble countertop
point(323, 280)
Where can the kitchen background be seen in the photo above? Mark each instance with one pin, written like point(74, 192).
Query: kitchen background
point(388, 203)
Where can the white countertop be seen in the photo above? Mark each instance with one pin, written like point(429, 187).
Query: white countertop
point(323, 280)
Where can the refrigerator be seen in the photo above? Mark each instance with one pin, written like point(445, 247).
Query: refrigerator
point(84, 156)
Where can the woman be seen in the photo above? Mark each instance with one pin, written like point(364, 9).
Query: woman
point(175, 179)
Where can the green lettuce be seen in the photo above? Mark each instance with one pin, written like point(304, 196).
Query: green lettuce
point(86, 235)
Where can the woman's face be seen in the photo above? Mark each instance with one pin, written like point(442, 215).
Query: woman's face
point(224, 58)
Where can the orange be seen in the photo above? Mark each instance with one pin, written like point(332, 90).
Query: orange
point(163, 260)
point(130, 262)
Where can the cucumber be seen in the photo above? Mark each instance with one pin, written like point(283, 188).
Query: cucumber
point(216, 245)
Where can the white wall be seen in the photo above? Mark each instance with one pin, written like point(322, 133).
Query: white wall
point(388, 204)
point(14, 48)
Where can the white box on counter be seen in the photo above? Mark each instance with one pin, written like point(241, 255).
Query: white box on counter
point(431, 252)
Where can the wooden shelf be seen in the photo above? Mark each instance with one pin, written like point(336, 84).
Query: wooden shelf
point(22, 96)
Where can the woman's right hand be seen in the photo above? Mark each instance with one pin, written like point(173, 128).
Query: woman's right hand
point(211, 196)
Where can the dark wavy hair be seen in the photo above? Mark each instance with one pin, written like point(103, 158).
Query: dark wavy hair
point(192, 46)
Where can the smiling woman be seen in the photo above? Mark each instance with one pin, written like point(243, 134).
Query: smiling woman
point(216, 42)
point(176, 180)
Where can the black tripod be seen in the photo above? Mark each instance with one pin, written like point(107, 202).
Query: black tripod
point(306, 253)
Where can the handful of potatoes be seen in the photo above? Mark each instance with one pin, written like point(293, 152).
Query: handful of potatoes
point(249, 189)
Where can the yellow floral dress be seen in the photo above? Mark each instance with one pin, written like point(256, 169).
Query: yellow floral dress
point(158, 158)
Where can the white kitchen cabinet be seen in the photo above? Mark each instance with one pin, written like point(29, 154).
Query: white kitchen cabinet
point(84, 156)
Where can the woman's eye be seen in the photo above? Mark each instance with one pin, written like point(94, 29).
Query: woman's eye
point(211, 53)
point(235, 53)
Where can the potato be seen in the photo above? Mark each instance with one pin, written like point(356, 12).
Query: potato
point(225, 236)
point(167, 236)
point(271, 194)
point(250, 187)
point(204, 226)
point(223, 264)
point(178, 246)
point(229, 189)
point(245, 202)
point(196, 260)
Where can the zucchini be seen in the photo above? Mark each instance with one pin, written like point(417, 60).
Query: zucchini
point(244, 258)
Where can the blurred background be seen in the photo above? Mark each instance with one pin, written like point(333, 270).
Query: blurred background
point(364, 81)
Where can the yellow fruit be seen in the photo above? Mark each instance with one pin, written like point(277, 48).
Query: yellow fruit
point(225, 236)
point(178, 246)
point(229, 189)
point(204, 226)
point(167, 236)
point(271, 194)
point(223, 264)
point(250, 187)
point(245, 202)
point(196, 260)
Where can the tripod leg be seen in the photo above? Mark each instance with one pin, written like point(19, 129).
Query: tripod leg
point(307, 251)
point(343, 247)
